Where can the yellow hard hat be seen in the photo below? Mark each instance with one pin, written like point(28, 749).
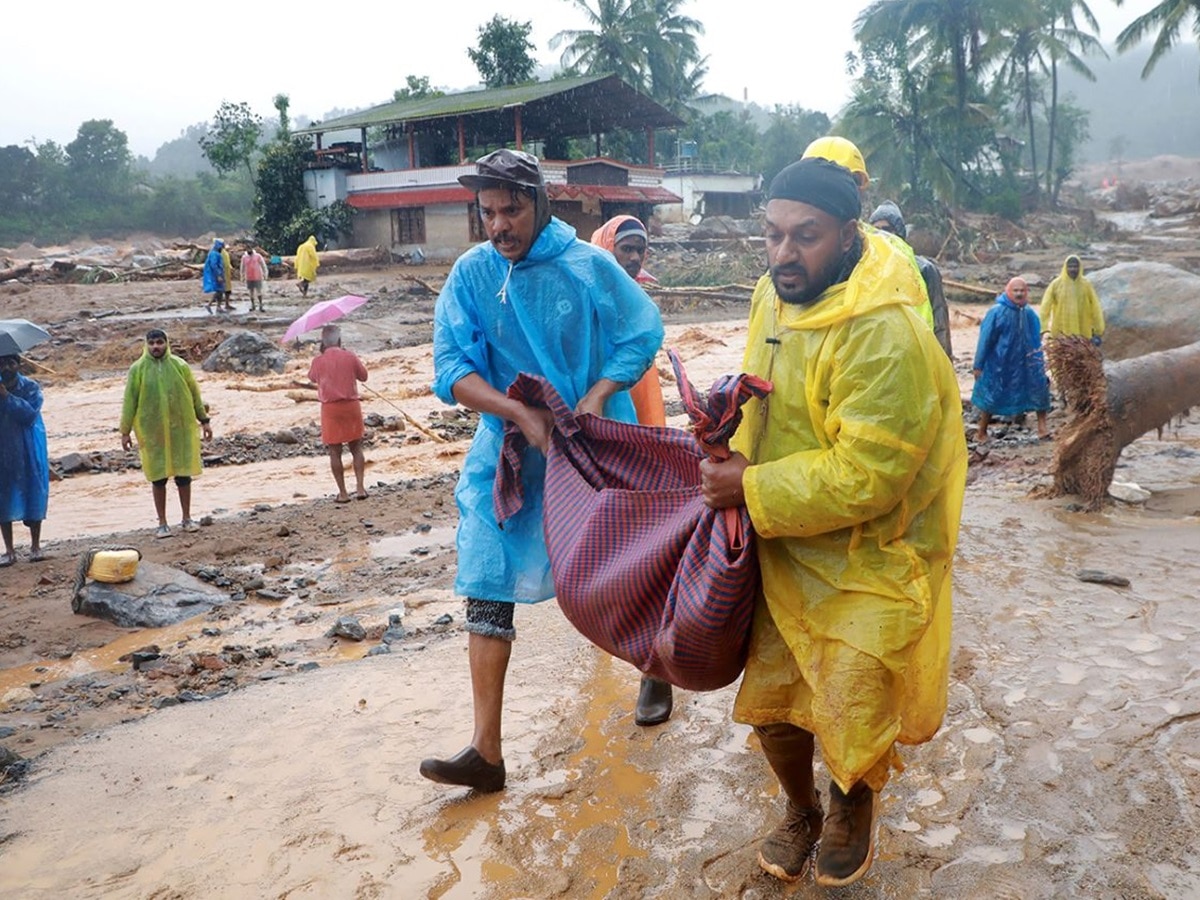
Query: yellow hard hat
point(841, 151)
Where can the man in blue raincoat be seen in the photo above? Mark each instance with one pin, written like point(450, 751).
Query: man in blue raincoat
point(536, 299)
point(213, 276)
point(1010, 370)
point(24, 465)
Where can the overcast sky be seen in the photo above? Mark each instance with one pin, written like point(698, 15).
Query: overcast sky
point(155, 68)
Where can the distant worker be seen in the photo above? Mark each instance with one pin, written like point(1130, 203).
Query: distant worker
point(336, 372)
point(162, 407)
point(626, 238)
point(24, 464)
point(213, 277)
point(1070, 305)
point(1010, 370)
point(227, 266)
point(307, 264)
point(254, 272)
point(888, 219)
point(845, 153)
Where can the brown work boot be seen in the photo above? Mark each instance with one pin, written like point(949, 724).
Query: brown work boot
point(787, 851)
point(848, 844)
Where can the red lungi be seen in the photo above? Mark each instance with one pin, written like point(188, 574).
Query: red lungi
point(341, 422)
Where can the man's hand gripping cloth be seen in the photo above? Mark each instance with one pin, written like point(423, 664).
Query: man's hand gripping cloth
point(642, 568)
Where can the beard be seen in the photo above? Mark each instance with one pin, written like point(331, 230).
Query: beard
point(806, 286)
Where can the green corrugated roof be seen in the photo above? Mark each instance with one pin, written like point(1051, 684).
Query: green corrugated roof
point(452, 104)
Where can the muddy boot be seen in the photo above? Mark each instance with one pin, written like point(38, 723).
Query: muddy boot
point(654, 703)
point(786, 852)
point(849, 842)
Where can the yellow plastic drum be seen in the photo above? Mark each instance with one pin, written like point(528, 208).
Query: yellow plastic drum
point(113, 566)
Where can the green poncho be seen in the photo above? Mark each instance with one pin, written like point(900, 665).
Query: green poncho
point(162, 406)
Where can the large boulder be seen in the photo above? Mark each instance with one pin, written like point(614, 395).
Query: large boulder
point(157, 596)
point(247, 352)
point(1148, 307)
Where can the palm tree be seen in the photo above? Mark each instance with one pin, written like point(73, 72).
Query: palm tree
point(610, 46)
point(674, 65)
point(1022, 46)
point(1068, 41)
point(1168, 17)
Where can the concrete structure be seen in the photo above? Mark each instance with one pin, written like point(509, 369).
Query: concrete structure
point(706, 191)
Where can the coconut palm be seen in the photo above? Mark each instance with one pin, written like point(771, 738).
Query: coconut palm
point(1067, 40)
point(1168, 17)
point(610, 46)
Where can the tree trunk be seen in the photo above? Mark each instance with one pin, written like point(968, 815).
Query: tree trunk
point(1033, 165)
point(1053, 127)
point(1111, 406)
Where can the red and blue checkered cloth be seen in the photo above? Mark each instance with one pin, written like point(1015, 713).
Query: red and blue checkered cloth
point(642, 568)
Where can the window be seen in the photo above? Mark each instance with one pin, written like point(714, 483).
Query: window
point(408, 226)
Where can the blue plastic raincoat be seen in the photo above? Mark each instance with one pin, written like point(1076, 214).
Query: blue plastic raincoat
point(24, 466)
point(214, 270)
point(162, 407)
point(855, 488)
point(566, 312)
point(1009, 358)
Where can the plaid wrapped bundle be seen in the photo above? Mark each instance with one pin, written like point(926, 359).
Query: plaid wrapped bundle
point(642, 568)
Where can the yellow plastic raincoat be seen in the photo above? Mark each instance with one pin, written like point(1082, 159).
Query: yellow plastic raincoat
point(162, 407)
point(858, 467)
point(306, 260)
point(227, 265)
point(1070, 306)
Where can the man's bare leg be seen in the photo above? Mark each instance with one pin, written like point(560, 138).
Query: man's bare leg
point(360, 468)
point(985, 419)
point(488, 657)
point(35, 541)
point(160, 502)
point(1043, 428)
point(339, 471)
point(185, 500)
point(10, 555)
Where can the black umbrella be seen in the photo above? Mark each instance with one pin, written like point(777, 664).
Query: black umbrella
point(18, 335)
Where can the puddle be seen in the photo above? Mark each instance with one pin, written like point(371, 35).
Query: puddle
point(414, 543)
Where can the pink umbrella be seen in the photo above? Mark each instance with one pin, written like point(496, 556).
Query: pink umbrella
point(322, 314)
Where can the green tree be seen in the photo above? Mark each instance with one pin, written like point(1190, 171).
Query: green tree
point(609, 46)
point(1071, 36)
point(18, 178)
point(98, 162)
point(725, 139)
point(1168, 17)
point(503, 52)
point(416, 89)
point(233, 137)
point(791, 130)
point(279, 200)
point(674, 66)
point(282, 103)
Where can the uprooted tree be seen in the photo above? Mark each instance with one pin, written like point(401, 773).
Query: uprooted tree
point(1111, 406)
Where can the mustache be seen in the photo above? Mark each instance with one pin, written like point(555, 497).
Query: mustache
point(790, 269)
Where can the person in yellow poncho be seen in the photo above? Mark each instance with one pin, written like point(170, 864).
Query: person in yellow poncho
point(853, 470)
point(307, 264)
point(1070, 305)
point(227, 266)
point(162, 407)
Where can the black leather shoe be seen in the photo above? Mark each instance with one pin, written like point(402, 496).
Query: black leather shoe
point(468, 769)
point(654, 702)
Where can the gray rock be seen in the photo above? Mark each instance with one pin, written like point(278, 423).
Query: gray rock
point(74, 462)
point(379, 650)
point(248, 352)
point(1148, 307)
point(347, 627)
point(156, 597)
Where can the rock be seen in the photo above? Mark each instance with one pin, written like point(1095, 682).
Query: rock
point(1095, 576)
point(1147, 307)
point(248, 352)
point(74, 462)
point(395, 630)
point(269, 595)
point(283, 531)
point(16, 696)
point(379, 650)
point(308, 666)
point(347, 627)
point(158, 596)
point(443, 619)
point(164, 702)
point(253, 583)
point(285, 437)
point(1128, 492)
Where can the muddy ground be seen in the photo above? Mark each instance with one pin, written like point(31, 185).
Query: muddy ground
point(1067, 766)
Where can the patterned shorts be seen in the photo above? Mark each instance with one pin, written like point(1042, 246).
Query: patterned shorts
point(491, 618)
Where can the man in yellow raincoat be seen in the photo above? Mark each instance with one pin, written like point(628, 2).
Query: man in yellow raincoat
point(162, 407)
point(853, 470)
point(1070, 305)
point(307, 264)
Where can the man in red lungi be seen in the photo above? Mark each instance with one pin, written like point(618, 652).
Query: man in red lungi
point(337, 372)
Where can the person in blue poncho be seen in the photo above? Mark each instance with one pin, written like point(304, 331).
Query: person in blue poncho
point(213, 277)
point(1010, 369)
point(24, 466)
point(535, 299)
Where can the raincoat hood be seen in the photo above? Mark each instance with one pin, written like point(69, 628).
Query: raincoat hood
point(889, 212)
point(1071, 306)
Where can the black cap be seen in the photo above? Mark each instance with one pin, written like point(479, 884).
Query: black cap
point(504, 168)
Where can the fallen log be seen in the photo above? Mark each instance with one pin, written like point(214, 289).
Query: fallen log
point(301, 396)
point(1112, 405)
point(16, 272)
point(264, 388)
point(982, 291)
